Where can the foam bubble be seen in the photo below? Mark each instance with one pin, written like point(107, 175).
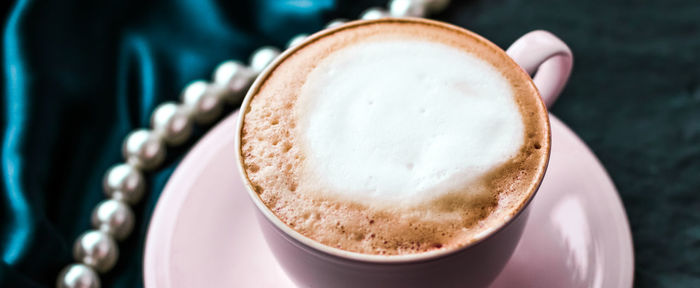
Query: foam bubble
point(405, 120)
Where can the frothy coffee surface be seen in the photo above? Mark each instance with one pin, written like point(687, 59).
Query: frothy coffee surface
point(400, 121)
point(395, 137)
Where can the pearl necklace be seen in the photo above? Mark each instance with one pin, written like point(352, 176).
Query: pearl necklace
point(96, 251)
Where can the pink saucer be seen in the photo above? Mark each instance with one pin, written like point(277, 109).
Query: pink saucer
point(204, 234)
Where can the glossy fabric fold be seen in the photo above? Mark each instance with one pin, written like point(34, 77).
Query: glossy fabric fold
point(77, 77)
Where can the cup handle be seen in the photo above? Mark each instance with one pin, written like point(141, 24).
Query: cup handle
point(548, 58)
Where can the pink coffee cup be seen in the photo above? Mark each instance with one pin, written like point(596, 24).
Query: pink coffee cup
point(312, 264)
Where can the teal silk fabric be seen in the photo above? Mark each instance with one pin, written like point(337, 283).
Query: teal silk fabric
point(78, 75)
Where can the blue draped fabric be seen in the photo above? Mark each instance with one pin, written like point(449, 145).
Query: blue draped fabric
point(77, 77)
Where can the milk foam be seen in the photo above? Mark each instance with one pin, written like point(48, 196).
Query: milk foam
point(404, 120)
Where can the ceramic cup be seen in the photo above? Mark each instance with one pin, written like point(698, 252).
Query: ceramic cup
point(312, 264)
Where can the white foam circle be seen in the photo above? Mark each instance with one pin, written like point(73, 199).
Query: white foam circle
point(403, 120)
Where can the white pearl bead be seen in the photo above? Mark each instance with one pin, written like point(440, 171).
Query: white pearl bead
point(96, 249)
point(336, 23)
point(226, 70)
point(220, 92)
point(202, 102)
point(374, 13)
point(124, 182)
point(296, 40)
point(77, 276)
point(236, 77)
point(144, 149)
point(172, 123)
point(113, 217)
point(407, 8)
point(435, 6)
point(262, 57)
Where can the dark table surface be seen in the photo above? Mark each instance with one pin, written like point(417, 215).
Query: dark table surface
point(634, 98)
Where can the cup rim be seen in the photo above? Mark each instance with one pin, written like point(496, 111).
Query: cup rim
point(373, 258)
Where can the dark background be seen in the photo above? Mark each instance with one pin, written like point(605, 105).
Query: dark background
point(79, 75)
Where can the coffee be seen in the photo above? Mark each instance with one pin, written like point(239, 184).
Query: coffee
point(395, 137)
